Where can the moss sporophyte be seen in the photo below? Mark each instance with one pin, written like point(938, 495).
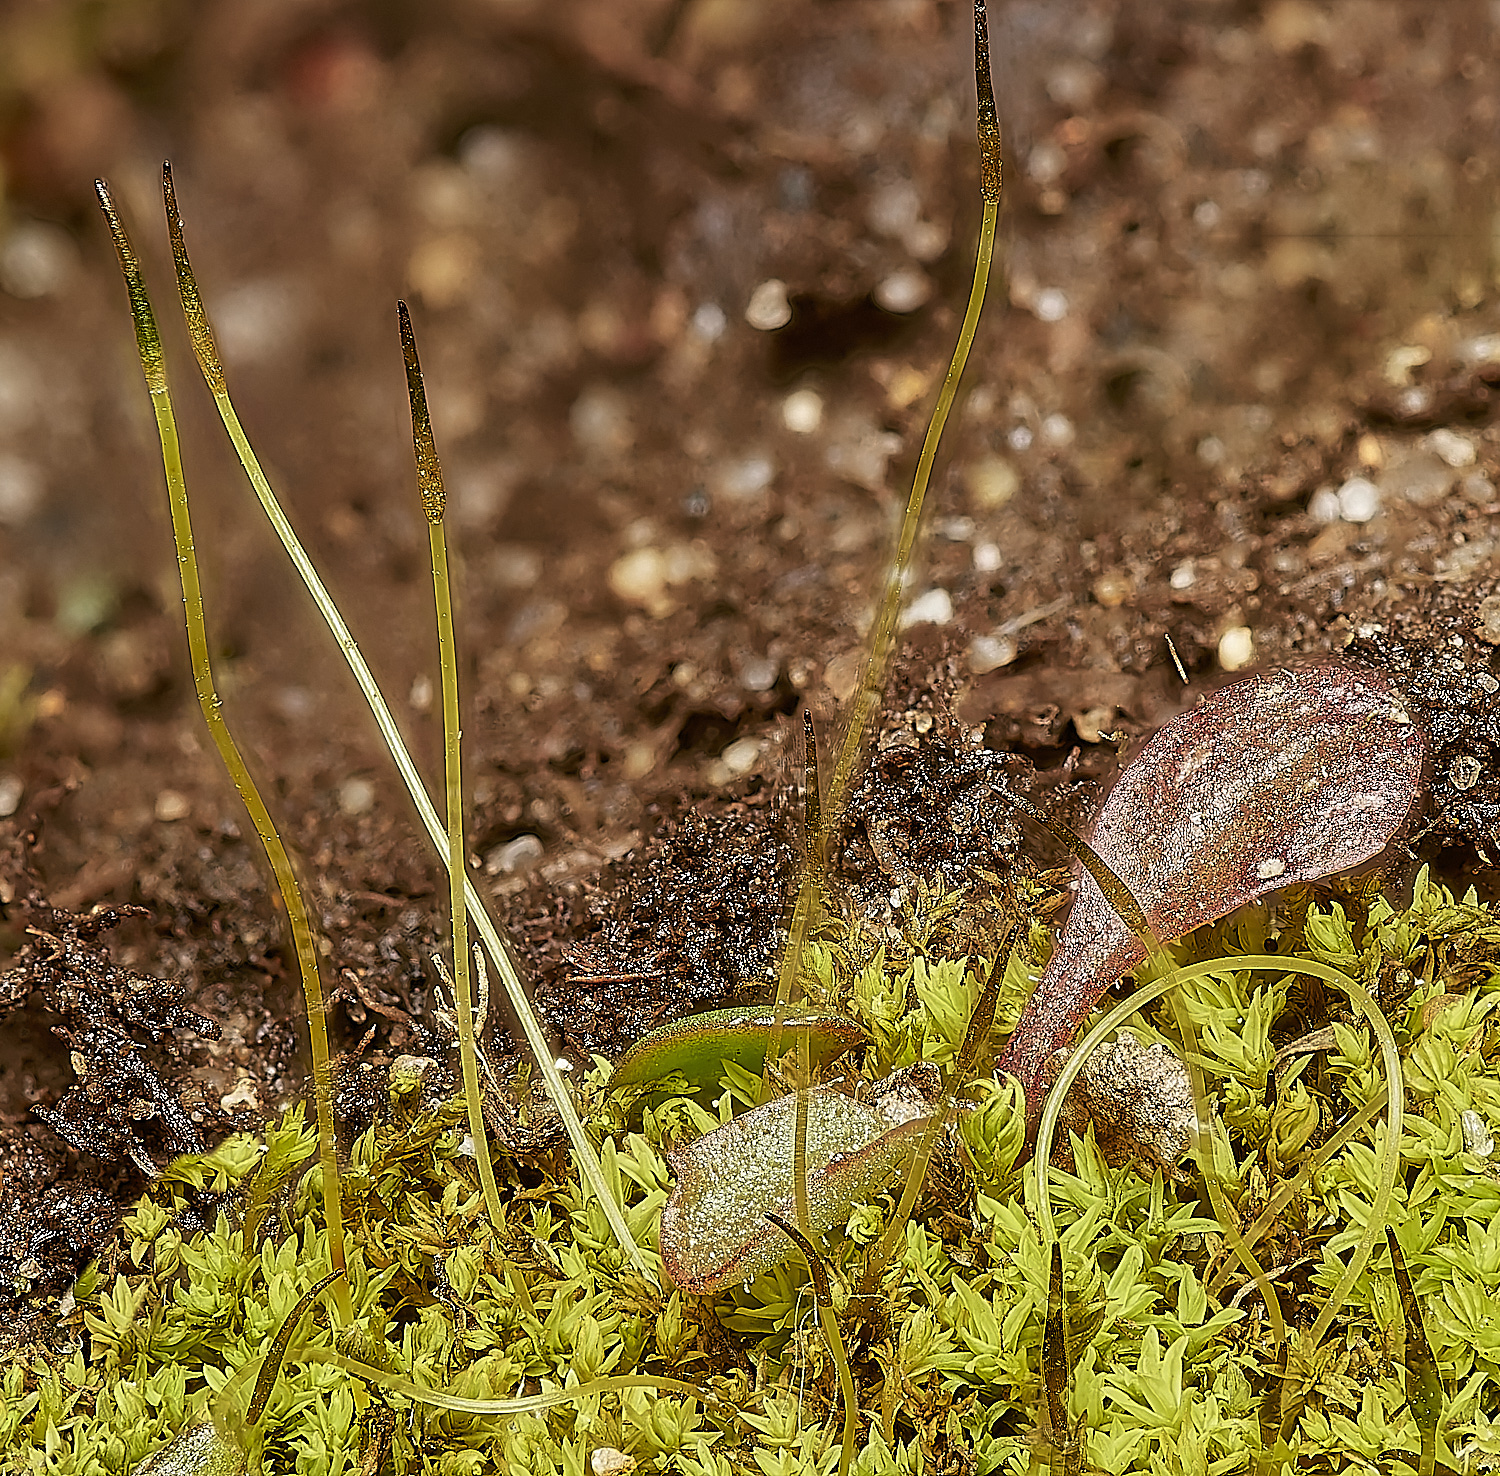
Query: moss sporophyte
point(721, 1276)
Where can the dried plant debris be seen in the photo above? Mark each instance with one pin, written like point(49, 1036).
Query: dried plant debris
point(1441, 644)
point(926, 810)
point(49, 1225)
point(696, 923)
point(119, 1027)
point(698, 919)
point(1139, 1099)
point(131, 1110)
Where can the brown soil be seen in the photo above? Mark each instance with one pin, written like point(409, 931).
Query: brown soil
point(1248, 257)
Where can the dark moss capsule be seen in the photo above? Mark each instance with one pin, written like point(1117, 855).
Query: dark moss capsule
point(698, 1045)
point(1286, 776)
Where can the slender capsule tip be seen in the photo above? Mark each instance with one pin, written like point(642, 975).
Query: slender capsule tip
point(200, 330)
point(989, 121)
point(147, 339)
point(429, 472)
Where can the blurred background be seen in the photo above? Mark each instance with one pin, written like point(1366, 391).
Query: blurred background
point(685, 275)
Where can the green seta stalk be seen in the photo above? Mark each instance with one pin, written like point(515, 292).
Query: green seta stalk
point(201, 332)
point(434, 506)
point(153, 366)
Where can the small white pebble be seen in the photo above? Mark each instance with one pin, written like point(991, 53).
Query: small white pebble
point(639, 577)
point(903, 291)
point(1484, 349)
point(1478, 489)
point(1464, 771)
point(356, 796)
point(600, 422)
point(1074, 83)
point(841, 675)
point(1207, 215)
point(1211, 451)
point(1401, 361)
point(769, 308)
point(740, 479)
point(1456, 450)
point(1487, 620)
point(986, 557)
point(11, 790)
point(1057, 430)
point(1113, 587)
point(709, 322)
point(640, 759)
point(1477, 1137)
point(421, 694)
point(956, 530)
point(171, 805)
point(605, 1460)
point(686, 562)
point(933, 608)
point(1092, 724)
point(1046, 163)
point(758, 674)
point(1236, 648)
point(925, 239)
point(802, 411)
point(1323, 506)
point(894, 207)
point(1414, 401)
point(513, 566)
point(991, 482)
point(492, 153)
point(517, 855)
point(1270, 869)
point(296, 704)
point(1184, 576)
point(741, 756)
point(990, 653)
point(563, 1064)
point(861, 452)
point(1359, 500)
point(1050, 305)
point(254, 320)
point(243, 1095)
point(1020, 438)
point(442, 265)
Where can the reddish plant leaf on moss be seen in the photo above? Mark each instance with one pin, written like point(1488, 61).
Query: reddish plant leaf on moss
point(1287, 776)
